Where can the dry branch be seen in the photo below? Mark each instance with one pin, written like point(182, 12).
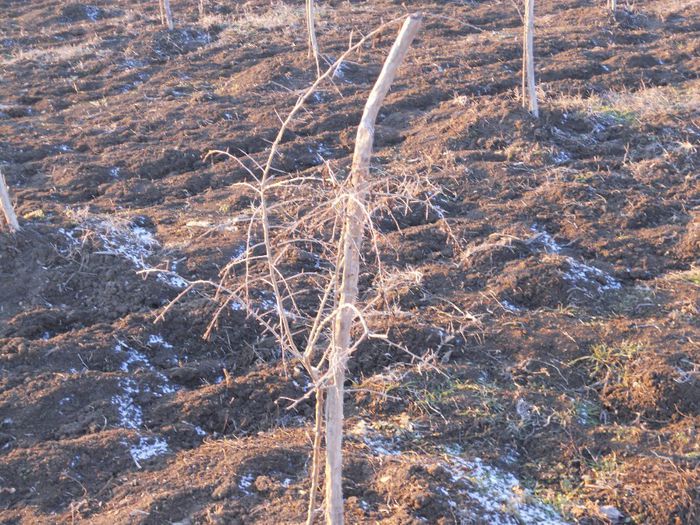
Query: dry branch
point(6, 205)
point(351, 239)
point(316, 458)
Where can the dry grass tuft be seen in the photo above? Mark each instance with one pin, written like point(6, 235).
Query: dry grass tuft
point(279, 17)
point(644, 104)
point(52, 55)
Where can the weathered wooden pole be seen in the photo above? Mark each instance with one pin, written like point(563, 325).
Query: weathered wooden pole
point(351, 242)
point(528, 82)
point(6, 205)
point(313, 42)
point(165, 6)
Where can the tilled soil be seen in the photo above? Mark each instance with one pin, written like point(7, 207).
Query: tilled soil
point(556, 291)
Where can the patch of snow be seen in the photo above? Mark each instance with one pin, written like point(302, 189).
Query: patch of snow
point(92, 12)
point(128, 87)
point(499, 494)
point(158, 340)
point(321, 152)
point(245, 483)
point(612, 513)
point(131, 63)
point(441, 212)
point(544, 238)
point(133, 243)
point(268, 304)
point(172, 278)
point(125, 402)
point(378, 444)
point(238, 252)
point(582, 414)
point(133, 357)
point(523, 409)
point(200, 431)
point(510, 307)
point(165, 387)
point(578, 271)
point(72, 241)
point(511, 456)
point(561, 157)
point(598, 128)
point(197, 37)
point(478, 492)
point(130, 413)
point(236, 306)
point(340, 71)
point(147, 448)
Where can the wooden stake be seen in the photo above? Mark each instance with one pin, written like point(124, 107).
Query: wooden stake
point(351, 242)
point(313, 43)
point(168, 15)
point(529, 60)
point(6, 205)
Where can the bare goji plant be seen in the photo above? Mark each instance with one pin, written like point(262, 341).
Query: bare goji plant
point(298, 274)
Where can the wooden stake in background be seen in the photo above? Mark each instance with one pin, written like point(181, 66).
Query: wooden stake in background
point(528, 86)
point(351, 242)
point(6, 205)
point(313, 43)
point(165, 8)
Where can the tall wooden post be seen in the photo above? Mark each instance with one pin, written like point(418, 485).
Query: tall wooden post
point(528, 84)
point(351, 243)
point(6, 205)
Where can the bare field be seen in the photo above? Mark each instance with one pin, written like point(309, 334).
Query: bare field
point(548, 293)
